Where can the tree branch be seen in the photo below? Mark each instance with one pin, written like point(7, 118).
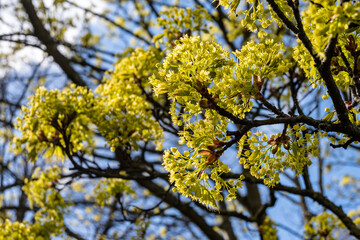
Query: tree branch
point(323, 201)
point(45, 38)
point(185, 209)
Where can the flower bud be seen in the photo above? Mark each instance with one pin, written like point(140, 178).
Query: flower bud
point(274, 149)
point(204, 103)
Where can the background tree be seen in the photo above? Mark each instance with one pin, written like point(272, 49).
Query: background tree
point(218, 119)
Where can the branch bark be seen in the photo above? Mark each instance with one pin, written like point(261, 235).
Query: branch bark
point(322, 66)
point(185, 209)
point(51, 47)
point(319, 198)
point(323, 201)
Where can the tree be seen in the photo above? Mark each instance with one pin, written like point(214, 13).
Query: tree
point(216, 118)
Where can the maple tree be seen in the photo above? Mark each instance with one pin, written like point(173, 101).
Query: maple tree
point(172, 114)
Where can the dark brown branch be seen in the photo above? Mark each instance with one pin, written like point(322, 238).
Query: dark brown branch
point(323, 201)
point(226, 224)
point(294, 89)
point(345, 145)
point(153, 9)
point(319, 198)
point(219, 19)
point(325, 72)
point(322, 66)
point(318, 124)
point(289, 230)
point(282, 17)
point(110, 21)
point(261, 211)
point(349, 129)
point(22, 42)
point(306, 178)
point(300, 33)
point(271, 107)
point(72, 234)
point(334, 93)
point(45, 38)
point(343, 57)
point(235, 214)
point(185, 209)
point(303, 204)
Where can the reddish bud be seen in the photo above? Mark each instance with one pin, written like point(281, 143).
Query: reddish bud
point(212, 147)
point(55, 138)
point(205, 152)
point(351, 46)
point(323, 233)
point(276, 142)
point(200, 173)
point(213, 156)
point(204, 103)
point(258, 82)
point(178, 35)
point(211, 159)
point(216, 144)
point(274, 149)
point(348, 105)
point(351, 39)
point(284, 139)
point(42, 137)
point(272, 141)
point(335, 63)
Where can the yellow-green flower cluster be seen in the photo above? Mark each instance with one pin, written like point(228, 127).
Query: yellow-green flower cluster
point(266, 158)
point(49, 221)
point(304, 146)
point(37, 189)
point(197, 75)
point(323, 226)
point(106, 190)
point(51, 115)
point(195, 68)
point(41, 192)
point(229, 4)
point(179, 21)
point(260, 160)
point(307, 64)
point(268, 229)
point(263, 59)
point(56, 120)
point(123, 113)
point(18, 230)
point(342, 77)
point(256, 17)
point(188, 172)
point(328, 19)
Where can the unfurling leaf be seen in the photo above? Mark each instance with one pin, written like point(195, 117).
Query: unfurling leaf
point(329, 116)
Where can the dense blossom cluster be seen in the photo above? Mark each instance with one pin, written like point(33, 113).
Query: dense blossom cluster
point(67, 120)
point(49, 219)
point(210, 91)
